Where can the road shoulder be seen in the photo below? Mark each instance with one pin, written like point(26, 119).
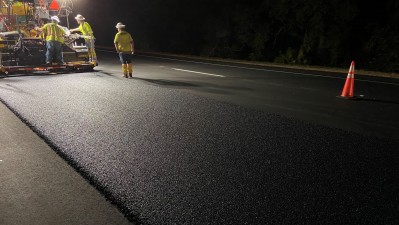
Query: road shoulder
point(39, 187)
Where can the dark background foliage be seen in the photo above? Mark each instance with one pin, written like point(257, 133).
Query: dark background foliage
point(307, 32)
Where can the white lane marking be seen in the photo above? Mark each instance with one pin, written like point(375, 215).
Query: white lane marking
point(190, 71)
point(268, 70)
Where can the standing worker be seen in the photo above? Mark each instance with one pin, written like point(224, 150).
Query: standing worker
point(85, 29)
point(124, 46)
point(54, 36)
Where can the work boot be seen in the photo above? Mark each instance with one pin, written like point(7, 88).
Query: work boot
point(130, 75)
point(94, 61)
point(124, 70)
point(129, 68)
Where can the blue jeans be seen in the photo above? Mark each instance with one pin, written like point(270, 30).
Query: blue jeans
point(54, 52)
point(125, 58)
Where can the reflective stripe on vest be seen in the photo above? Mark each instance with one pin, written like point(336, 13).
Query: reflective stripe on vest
point(54, 33)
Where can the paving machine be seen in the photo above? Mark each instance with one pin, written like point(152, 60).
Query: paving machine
point(22, 48)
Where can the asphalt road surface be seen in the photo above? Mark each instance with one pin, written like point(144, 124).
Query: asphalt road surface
point(198, 142)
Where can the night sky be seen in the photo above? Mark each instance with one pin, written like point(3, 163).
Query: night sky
point(103, 15)
point(309, 32)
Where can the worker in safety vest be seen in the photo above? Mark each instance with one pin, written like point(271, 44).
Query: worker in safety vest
point(87, 32)
point(29, 30)
point(124, 46)
point(54, 36)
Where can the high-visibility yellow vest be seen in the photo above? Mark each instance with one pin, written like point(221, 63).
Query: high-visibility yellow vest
point(53, 32)
point(86, 30)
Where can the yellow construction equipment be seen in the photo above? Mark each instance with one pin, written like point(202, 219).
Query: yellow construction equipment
point(22, 49)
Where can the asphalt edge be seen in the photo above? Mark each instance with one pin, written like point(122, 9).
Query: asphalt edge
point(133, 217)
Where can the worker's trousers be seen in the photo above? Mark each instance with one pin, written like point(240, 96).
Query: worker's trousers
point(54, 52)
point(126, 60)
point(91, 49)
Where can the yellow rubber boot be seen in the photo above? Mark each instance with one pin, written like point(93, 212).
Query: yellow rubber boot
point(130, 69)
point(124, 69)
point(94, 57)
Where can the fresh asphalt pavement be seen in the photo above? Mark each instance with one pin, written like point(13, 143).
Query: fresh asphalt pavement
point(198, 143)
point(38, 187)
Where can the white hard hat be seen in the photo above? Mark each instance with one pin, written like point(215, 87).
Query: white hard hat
point(55, 18)
point(120, 25)
point(79, 17)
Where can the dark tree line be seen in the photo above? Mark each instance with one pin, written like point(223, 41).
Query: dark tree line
point(307, 32)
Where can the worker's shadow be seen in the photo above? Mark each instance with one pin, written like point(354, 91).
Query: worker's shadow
point(182, 85)
point(97, 72)
point(176, 84)
point(166, 82)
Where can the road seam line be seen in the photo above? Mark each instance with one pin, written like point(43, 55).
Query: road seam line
point(190, 71)
point(268, 70)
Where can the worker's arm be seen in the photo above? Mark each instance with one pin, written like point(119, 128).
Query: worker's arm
point(132, 46)
point(39, 30)
point(74, 30)
point(116, 47)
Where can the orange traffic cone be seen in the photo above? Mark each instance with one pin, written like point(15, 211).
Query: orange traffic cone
point(348, 91)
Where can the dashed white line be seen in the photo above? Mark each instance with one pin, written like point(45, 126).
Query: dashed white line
point(266, 70)
point(190, 71)
point(270, 70)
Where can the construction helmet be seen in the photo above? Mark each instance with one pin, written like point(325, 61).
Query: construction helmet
point(120, 25)
point(55, 19)
point(79, 17)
